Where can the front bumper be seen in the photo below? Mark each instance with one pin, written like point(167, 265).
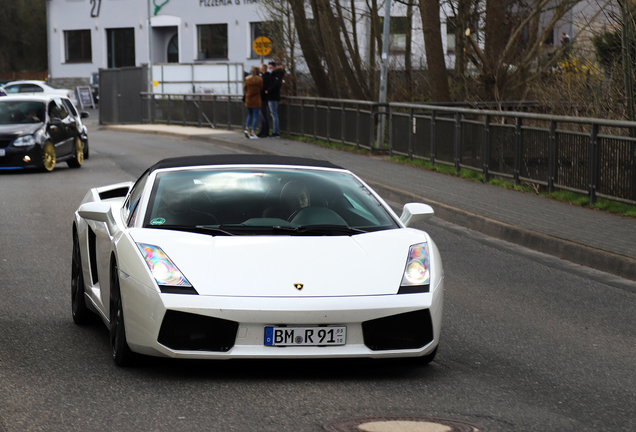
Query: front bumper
point(145, 309)
point(14, 157)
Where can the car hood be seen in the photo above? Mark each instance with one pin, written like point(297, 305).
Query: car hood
point(12, 131)
point(273, 266)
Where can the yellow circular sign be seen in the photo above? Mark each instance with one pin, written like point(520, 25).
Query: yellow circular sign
point(262, 46)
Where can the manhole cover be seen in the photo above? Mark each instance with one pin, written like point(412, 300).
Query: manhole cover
point(402, 424)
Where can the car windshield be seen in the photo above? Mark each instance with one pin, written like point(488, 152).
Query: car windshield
point(264, 202)
point(14, 112)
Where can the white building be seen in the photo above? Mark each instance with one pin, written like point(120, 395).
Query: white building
point(86, 35)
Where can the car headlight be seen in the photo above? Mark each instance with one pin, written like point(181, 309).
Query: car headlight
point(162, 268)
point(23, 141)
point(417, 273)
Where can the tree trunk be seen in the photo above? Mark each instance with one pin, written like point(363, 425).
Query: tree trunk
point(308, 45)
point(429, 10)
point(408, 67)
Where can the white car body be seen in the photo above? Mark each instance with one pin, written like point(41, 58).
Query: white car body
point(16, 87)
point(254, 281)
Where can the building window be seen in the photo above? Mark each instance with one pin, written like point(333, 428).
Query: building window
point(268, 29)
point(78, 46)
point(451, 35)
point(121, 47)
point(212, 41)
point(397, 33)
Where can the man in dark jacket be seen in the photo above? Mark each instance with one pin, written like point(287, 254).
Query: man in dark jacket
point(272, 91)
point(264, 132)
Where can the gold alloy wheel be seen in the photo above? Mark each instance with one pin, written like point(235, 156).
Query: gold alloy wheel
point(48, 156)
point(79, 151)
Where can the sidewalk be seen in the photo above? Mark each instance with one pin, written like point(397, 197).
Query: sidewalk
point(584, 236)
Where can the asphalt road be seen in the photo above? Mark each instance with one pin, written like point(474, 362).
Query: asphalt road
point(529, 343)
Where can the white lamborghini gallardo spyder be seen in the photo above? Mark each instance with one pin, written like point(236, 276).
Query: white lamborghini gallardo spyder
point(252, 256)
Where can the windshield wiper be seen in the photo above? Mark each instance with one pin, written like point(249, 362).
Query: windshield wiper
point(319, 230)
point(198, 229)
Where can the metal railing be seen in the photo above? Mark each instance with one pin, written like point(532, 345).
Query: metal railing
point(585, 155)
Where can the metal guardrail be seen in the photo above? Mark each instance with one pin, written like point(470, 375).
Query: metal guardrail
point(585, 155)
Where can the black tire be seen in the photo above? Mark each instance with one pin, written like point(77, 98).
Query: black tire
point(86, 149)
point(122, 355)
point(81, 314)
point(78, 155)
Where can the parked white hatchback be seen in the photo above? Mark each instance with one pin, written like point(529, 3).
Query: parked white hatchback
point(33, 87)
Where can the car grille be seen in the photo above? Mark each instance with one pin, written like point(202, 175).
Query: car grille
point(409, 330)
point(4, 143)
point(192, 332)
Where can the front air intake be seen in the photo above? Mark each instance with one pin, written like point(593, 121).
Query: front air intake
point(191, 332)
point(409, 330)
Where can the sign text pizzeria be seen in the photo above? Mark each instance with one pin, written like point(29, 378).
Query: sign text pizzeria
point(212, 3)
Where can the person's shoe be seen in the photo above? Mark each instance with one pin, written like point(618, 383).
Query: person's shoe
point(263, 135)
point(253, 136)
point(276, 136)
point(247, 133)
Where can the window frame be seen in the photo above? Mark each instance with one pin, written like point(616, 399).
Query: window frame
point(86, 49)
point(210, 37)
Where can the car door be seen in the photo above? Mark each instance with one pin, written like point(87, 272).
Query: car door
point(60, 129)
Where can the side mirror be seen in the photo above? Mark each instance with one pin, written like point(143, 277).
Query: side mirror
point(84, 114)
point(97, 211)
point(415, 212)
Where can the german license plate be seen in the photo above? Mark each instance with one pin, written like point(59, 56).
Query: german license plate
point(305, 336)
point(1, 152)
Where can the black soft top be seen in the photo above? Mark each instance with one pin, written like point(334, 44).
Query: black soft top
point(239, 159)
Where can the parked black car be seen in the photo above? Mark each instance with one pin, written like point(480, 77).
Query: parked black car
point(38, 132)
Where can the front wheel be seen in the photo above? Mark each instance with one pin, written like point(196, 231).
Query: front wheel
point(122, 355)
point(78, 157)
point(48, 157)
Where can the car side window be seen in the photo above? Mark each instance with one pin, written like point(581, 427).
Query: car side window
point(69, 107)
point(30, 88)
point(57, 110)
point(132, 202)
point(12, 89)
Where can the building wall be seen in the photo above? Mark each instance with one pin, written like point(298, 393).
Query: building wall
point(182, 15)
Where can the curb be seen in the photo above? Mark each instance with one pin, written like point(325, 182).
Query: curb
point(577, 253)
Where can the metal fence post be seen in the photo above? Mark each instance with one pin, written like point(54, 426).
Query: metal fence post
point(390, 131)
point(372, 128)
point(458, 141)
point(552, 157)
point(358, 125)
point(433, 146)
point(229, 108)
point(329, 122)
point(518, 143)
point(153, 109)
point(199, 111)
point(169, 110)
point(302, 117)
point(594, 165)
point(315, 119)
point(411, 132)
point(214, 111)
point(183, 110)
point(486, 155)
point(342, 123)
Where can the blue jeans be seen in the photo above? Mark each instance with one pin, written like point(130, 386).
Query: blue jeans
point(273, 108)
point(252, 115)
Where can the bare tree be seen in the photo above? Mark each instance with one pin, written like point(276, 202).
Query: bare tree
point(431, 25)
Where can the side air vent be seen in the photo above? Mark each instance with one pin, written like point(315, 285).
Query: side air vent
point(409, 330)
point(192, 332)
point(113, 193)
point(92, 254)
